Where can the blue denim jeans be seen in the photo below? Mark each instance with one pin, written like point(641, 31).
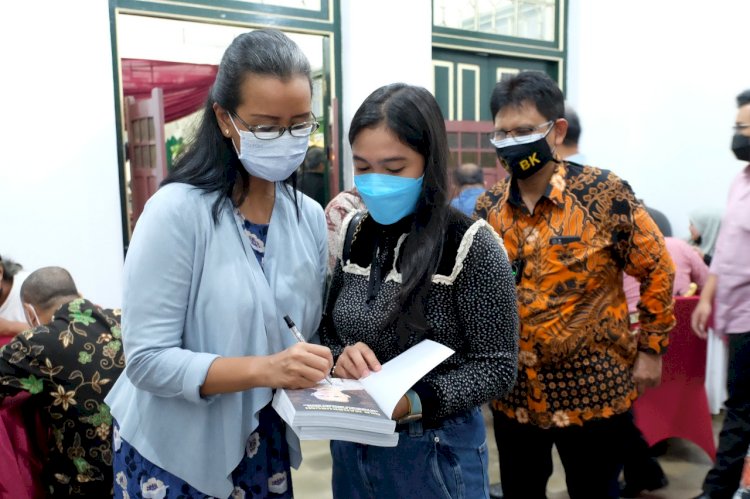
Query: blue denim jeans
point(448, 462)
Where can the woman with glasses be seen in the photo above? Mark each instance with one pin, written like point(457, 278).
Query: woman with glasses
point(223, 251)
point(415, 269)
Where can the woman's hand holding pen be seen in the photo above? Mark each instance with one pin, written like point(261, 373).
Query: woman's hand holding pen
point(300, 366)
point(356, 361)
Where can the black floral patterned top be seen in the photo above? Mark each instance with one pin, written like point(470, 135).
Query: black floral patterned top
point(68, 366)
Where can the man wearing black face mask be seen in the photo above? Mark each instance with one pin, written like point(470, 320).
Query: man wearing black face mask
point(728, 290)
point(570, 231)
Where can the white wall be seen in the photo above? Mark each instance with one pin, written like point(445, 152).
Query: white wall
point(383, 42)
point(655, 84)
point(59, 187)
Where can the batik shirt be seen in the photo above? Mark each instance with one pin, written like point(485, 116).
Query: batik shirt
point(68, 366)
point(576, 350)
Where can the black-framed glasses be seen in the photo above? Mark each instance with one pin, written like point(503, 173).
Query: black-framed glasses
point(270, 132)
point(740, 127)
point(521, 134)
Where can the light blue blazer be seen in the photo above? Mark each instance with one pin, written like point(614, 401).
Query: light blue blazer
point(194, 291)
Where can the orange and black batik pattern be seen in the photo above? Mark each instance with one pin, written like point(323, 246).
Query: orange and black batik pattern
point(576, 348)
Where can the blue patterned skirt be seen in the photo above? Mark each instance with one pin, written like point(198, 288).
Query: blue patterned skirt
point(263, 472)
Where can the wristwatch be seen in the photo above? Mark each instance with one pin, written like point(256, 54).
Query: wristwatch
point(415, 408)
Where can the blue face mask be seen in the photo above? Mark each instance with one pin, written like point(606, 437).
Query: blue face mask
point(388, 198)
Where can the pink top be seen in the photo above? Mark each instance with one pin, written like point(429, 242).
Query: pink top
point(731, 260)
point(689, 267)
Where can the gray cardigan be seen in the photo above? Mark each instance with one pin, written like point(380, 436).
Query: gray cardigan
point(194, 291)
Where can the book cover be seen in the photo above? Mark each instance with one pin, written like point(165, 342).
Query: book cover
point(358, 410)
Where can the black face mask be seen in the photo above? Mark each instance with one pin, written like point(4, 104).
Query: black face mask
point(741, 147)
point(524, 160)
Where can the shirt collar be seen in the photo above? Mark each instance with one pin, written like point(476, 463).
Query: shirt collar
point(554, 192)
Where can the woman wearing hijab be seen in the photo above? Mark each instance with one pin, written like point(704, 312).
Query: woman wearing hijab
point(704, 230)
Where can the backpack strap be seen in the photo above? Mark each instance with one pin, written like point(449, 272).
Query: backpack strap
point(333, 292)
point(349, 237)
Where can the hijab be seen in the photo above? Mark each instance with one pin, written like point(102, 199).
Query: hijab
point(707, 222)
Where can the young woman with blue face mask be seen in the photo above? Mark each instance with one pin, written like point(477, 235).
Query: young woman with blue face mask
point(416, 269)
point(223, 251)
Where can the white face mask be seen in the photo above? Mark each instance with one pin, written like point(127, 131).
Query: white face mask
point(273, 160)
point(31, 316)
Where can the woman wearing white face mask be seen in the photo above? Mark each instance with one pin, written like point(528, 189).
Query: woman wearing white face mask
point(222, 252)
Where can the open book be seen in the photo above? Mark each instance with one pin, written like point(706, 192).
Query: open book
point(358, 410)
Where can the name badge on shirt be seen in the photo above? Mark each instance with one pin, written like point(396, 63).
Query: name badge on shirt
point(564, 239)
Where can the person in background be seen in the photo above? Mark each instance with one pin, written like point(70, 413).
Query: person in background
point(661, 221)
point(312, 179)
point(12, 319)
point(344, 203)
point(689, 267)
point(470, 181)
point(728, 290)
point(68, 362)
point(641, 470)
point(223, 251)
point(570, 231)
point(704, 231)
point(418, 269)
point(568, 150)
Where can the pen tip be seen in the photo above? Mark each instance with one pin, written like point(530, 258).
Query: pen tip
point(288, 321)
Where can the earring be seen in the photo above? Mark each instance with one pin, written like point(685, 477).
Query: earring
point(227, 132)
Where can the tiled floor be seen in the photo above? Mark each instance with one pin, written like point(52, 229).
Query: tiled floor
point(684, 463)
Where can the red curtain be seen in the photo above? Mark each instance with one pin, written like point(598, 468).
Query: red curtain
point(185, 85)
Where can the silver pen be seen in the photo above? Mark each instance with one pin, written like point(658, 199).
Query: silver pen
point(297, 334)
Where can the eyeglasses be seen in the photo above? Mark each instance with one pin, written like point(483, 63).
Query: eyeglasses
point(520, 135)
point(740, 126)
point(270, 132)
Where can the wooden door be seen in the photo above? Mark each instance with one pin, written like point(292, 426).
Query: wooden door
point(146, 149)
point(469, 142)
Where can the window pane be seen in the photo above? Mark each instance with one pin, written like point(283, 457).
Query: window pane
point(454, 161)
point(297, 4)
point(452, 140)
point(533, 19)
point(489, 160)
point(469, 140)
point(469, 157)
point(137, 136)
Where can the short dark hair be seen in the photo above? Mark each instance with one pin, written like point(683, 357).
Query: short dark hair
point(574, 127)
point(468, 174)
point(743, 98)
point(535, 87)
point(10, 268)
point(43, 287)
point(661, 221)
point(315, 156)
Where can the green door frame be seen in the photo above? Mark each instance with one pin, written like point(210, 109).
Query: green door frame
point(523, 49)
point(325, 22)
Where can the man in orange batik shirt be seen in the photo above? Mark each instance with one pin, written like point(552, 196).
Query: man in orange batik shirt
point(570, 231)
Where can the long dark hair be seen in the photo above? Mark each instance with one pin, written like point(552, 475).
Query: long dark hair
point(210, 161)
point(414, 116)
